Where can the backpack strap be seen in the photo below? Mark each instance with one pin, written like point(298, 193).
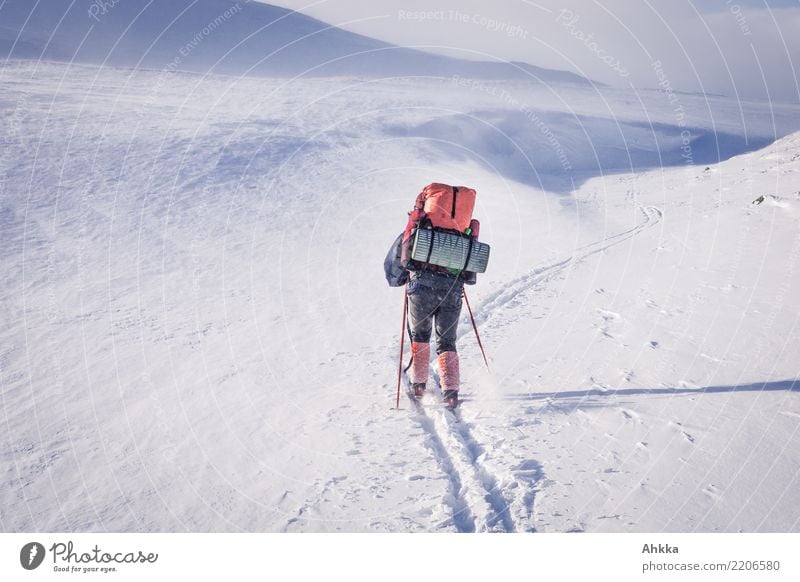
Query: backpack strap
point(430, 248)
point(469, 253)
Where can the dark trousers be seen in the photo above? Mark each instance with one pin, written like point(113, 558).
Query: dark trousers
point(434, 300)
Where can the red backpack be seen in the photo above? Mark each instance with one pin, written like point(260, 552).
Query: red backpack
point(443, 208)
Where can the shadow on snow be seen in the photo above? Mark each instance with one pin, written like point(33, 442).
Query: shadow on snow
point(557, 151)
point(783, 385)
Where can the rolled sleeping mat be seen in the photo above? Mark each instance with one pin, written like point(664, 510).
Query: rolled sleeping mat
point(450, 250)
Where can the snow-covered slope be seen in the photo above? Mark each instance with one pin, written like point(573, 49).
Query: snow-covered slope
point(225, 36)
point(197, 334)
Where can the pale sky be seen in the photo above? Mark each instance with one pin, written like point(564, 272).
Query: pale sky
point(745, 47)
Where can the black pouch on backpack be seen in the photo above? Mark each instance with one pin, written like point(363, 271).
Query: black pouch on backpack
point(396, 274)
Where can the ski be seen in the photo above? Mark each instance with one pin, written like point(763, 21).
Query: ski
point(415, 401)
point(454, 411)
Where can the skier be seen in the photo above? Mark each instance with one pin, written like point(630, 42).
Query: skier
point(435, 291)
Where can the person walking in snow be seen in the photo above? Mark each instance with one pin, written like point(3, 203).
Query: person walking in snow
point(435, 276)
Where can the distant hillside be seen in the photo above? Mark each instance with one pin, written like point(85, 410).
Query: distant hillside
point(221, 36)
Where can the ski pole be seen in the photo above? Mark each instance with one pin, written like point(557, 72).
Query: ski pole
point(402, 341)
point(410, 340)
point(475, 327)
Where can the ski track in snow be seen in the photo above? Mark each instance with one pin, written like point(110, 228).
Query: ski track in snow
point(478, 505)
point(462, 516)
point(541, 274)
point(460, 431)
point(478, 500)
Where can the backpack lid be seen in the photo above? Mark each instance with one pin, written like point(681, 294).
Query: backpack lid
point(448, 207)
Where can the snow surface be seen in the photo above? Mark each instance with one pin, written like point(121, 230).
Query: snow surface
point(197, 335)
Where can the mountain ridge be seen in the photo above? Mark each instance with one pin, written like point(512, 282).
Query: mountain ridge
point(226, 37)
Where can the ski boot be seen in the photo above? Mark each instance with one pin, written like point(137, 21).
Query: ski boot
point(450, 398)
point(418, 389)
